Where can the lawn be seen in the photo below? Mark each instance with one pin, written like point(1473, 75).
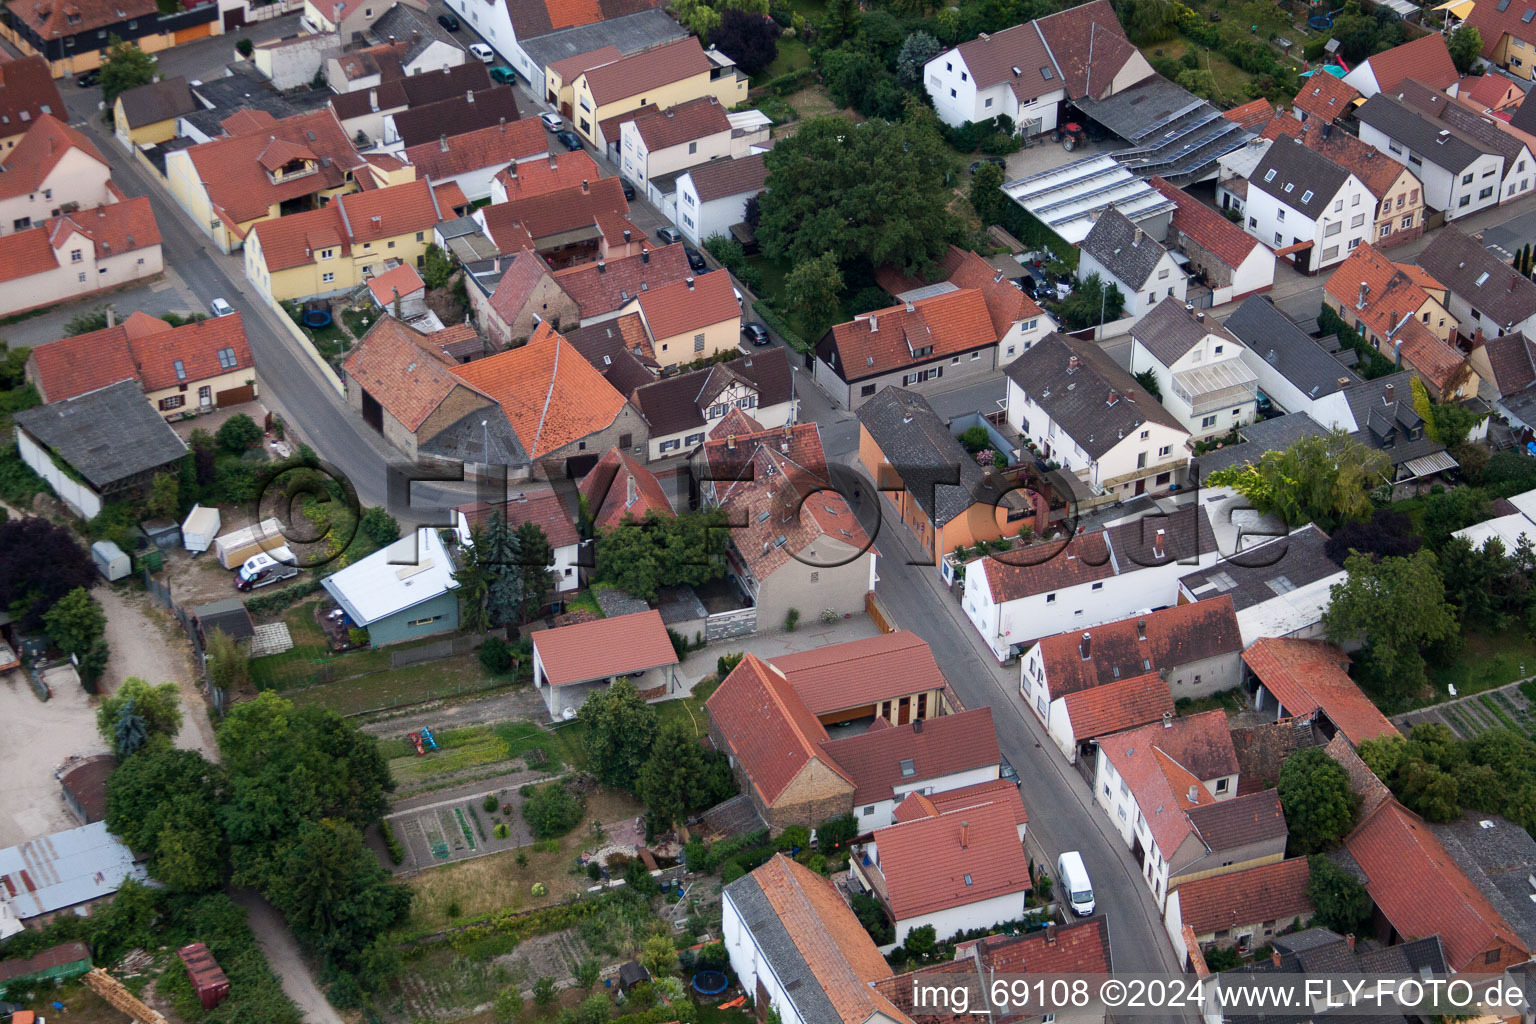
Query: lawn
point(793, 55)
point(1485, 661)
point(472, 747)
point(1231, 81)
point(450, 677)
point(584, 601)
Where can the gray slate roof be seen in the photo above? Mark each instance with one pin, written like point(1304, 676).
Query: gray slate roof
point(1078, 400)
point(1169, 331)
point(1276, 339)
point(107, 435)
point(1458, 262)
point(1426, 137)
point(1122, 248)
point(244, 88)
point(1389, 425)
point(1499, 861)
point(675, 404)
point(784, 956)
point(417, 29)
point(1264, 572)
point(1257, 438)
point(630, 34)
point(1464, 122)
point(927, 457)
point(1299, 177)
point(158, 101)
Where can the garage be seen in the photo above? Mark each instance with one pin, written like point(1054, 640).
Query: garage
point(234, 396)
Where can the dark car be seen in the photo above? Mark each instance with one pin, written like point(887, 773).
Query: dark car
point(570, 139)
point(668, 235)
point(89, 79)
point(756, 333)
point(695, 259)
point(629, 190)
point(997, 160)
point(449, 22)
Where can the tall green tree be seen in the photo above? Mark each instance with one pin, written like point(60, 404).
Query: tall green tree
point(681, 777)
point(916, 50)
point(535, 567)
point(1465, 44)
point(76, 623)
point(40, 562)
point(159, 706)
point(228, 667)
point(1398, 605)
point(1093, 302)
point(1318, 803)
point(875, 192)
point(662, 551)
point(501, 557)
point(1325, 480)
point(472, 579)
point(812, 291)
point(1339, 899)
point(620, 731)
point(986, 193)
point(164, 802)
point(126, 67)
point(1451, 510)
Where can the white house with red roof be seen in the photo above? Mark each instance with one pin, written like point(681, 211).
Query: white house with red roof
point(54, 166)
point(1309, 680)
point(572, 662)
point(78, 254)
point(1425, 59)
point(1228, 259)
point(540, 506)
point(1243, 909)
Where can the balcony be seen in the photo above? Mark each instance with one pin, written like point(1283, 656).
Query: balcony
point(865, 874)
point(1217, 386)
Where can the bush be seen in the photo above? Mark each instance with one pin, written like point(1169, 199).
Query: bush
point(501, 832)
point(792, 620)
point(280, 600)
point(551, 811)
point(379, 526)
point(731, 872)
point(727, 663)
point(392, 844)
point(238, 434)
point(489, 803)
point(495, 655)
point(244, 47)
point(780, 326)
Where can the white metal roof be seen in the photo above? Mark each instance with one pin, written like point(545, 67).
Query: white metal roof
point(413, 569)
point(748, 120)
point(928, 291)
point(67, 868)
point(1068, 199)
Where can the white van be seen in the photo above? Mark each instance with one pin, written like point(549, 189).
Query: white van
point(1076, 890)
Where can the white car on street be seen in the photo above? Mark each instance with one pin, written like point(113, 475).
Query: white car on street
point(485, 53)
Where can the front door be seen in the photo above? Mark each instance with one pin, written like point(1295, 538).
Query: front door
point(1141, 486)
point(205, 396)
point(904, 711)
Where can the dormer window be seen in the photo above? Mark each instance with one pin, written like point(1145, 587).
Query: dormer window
point(227, 358)
point(181, 370)
point(908, 768)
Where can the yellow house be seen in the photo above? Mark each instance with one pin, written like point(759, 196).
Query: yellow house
point(73, 37)
point(664, 76)
point(690, 319)
point(338, 247)
point(264, 168)
point(147, 116)
point(560, 76)
point(27, 92)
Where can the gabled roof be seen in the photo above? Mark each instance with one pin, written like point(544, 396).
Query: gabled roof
point(1002, 791)
point(1241, 821)
point(767, 727)
point(935, 469)
point(542, 507)
point(1486, 133)
point(113, 229)
point(952, 859)
point(849, 675)
point(603, 648)
point(886, 340)
point(647, 70)
point(685, 122)
point(1490, 91)
point(524, 271)
point(495, 144)
point(192, 352)
point(1163, 639)
point(1390, 293)
point(1422, 134)
point(601, 287)
point(1311, 675)
point(402, 279)
point(417, 31)
point(679, 403)
point(1257, 895)
point(1209, 229)
point(1326, 98)
point(1513, 359)
point(144, 349)
point(535, 18)
point(47, 142)
point(620, 350)
point(1421, 891)
point(1169, 331)
point(1275, 338)
point(107, 435)
point(66, 868)
point(1167, 762)
point(721, 179)
point(1086, 392)
point(550, 394)
point(1122, 248)
point(1374, 168)
point(1425, 59)
point(1495, 19)
point(413, 569)
point(55, 19)
point(1118, 705)
point(1006, 302)
point(1459, 262)
point(382, 60)
point(456, 115)
point(619, 487)
point(347, 221)
point(27, 92)
point(28, 252)
point(551, 213)
point(403, 371)
point(935, 747)
point(992, 59)
point(1088, 46)
point(1252, 115)
point(692, 304)
point(536, 177)
point(1298, 177)
point(414, 90)
point(1269, 571)
point(568, 68)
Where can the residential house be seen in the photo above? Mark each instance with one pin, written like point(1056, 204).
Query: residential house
point(105, 445)
point(348, 17)
point(365, 68)
point(454, 115)
point(269, 169)
point(665, 76)
point(197, 367)
point(513, 294)
point(73, 870)
point(53, 168)
point(404, 592)
point(1508, 364)
point(400, 291)
point(1508, 35)
point(1418, 889)
point(1489, 92)
point(472, 159)
point(1460, 175)
point(1399, 194)
point(567, 226)
point(541, 507)
point(572, 662)
point(1324, 99)
point(940, 492)
point(1253, 440)
point(78, 254)
point(1309, 679)
point(1198, 366)
point(1079, 683)
point(795, 775)
point(425, 45)
point(712, 198)
point(1253, 115)
point(1486, 294)
point(1483, 131)
point(798, 949)
point(560, 75)
point(1305, 206)
point(1278, 589)
point(959, 869)
point(1498, 858)
point(799, 544)
point(913, 345)
point(1083, 411)
point(364, 110)
point(27, 92)
point(620, 487)
point(682, 409)
point(1017, 319)
point(1225, 258)
point(73, 38)
point(1424, 59)
point(537, 177)
point(675, 139)
point(892, 677)
point(1125, 256)
point(1014, 598)
point(147, 115)
point(1294, 370)
point(618, 349)
point(606, 289)
point(691, 319)
point(1242, 909)
point(1380, 414)
point(512, 29)
point(1170, 789)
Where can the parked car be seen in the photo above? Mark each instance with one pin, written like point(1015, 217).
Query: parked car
point(485, 53)
point(668, 235)
point(629, 190)
point(695, 259)
point(1076, 889)
point(218, 307)
point(569, 139)
point(1007, 771)
point(503, 75)
point(448, 22)
point(756, 333)
point(264, 568)
point(89, 79)
point(553, 122)
point(997, 160)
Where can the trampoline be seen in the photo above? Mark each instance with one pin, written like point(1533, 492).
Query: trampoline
point(710, 983)
point(316, 318)
point(1320, 22)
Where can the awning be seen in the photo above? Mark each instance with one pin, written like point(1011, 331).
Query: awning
point(1459, 8)
point(1288, 250)
point(1427, 465)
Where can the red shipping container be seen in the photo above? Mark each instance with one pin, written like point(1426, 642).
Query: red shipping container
point(207, 976)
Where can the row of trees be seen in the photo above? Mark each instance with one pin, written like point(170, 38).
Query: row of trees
point(640, 557)
point(1439, 776)
point(505, 574)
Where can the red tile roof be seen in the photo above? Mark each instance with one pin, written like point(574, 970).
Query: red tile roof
point(1324, 97)
point(1163, 764)
point(1421, 891)
point(1006, 303)
point(472, 151)
point(1159, 640)
point(600, 290)
point(1113, 707)
point(552, 213)
point(400, 368)
point(603, 648)
point(145, 349)
point(55, 19)
point(239, 188)
point(113, 229)
point(1310, 675)
point(524, 272)
point(647, 71)
point(536, 177)
point(1252, 115)
point(1269, 892)
point(848, 675)
point(1089, 47)
point(403, 279)
point(1425, 60)
point(937, 747)
point(1209, 229)
point(883, 341)
point(1438, 362)
point(73, 366)
point(728, 457)
point(27, 92)
point(345, 222)
point(721, 179)
point(536, 18)
point(197, 347)
point(689, 305)
point(1493, 24)
point(542, 506)
point(952, 860)
point(1002, 791)
point(567, 68)
point(685, 122)
point(619, 487)
point(550, 394)
point(1489, 92)
point(46, 143)
point(767, 727)
point(1378, 171)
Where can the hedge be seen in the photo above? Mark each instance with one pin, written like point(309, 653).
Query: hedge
point(392, 844)
point(277, 601)
point(1030, 230)
point(792, 81)
point(780, 326)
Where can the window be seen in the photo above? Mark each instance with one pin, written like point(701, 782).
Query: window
point(1354, 243)
point(1165, 451)
point(975, 356)
point(1145, 434)
point(1097, 586)
point(693, 439)
point(1280, 215)
point(76, 255)
point(173, 402)
point(21, 223)
point(1408, 221)
point(1141, 460)
point(954, 360)
point(1306, 196)
point(1269, 175)
point(1207, 421)
point(1466, 179)
point(1338, 206)
point(866, 390)
point(391, 243)
point(988, 103)
point(1221, 785)
point(933, 80)
point(949, 65)
point(1386, 229)
point(82, 277)
point(1395, 148)
point(1464, 201)
point(951, 94)
point(1332, 227)
point(1357, 220)
point(693, 147)
point(1415, 161)
point(181, 370)
point(1491, 957)
point(1489, 171)
point(1485, 193)
point(1413, 196)
point(423, 622)
point(327, 278)
point(1217, 350)
point(625, 440)
point(698, 343)
point(1253, 222)
point(908, 768)
point(1355, 199)
point(326, 254)
point(1399, 202)
point(869, 810)
point(421, 236)
point(1162, 275)
point(671, 446)
point(1050, 598)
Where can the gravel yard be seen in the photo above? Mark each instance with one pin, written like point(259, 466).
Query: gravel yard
point(38, 737)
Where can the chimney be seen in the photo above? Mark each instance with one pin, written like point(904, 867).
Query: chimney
point(111, 316)
point(1157, 542)
point(1274, 957)
point(397, 302)
point(1141, 629)
point(502, 123)
point(917, 723)
point(626, 236)
point(377, 220)
point(965, 834)
point(1086, 647)
point(1364, 291)
point(1050, 934)
point(442, 142)
point(997, 277)
point(1113, 397)
point(874, 325)
point(512, 170)
point(373, 100)
point(632, 490)
point(1073, 363)
point(690, 283)
point(730, 442)
point(1167, 719)
point(911, 308)
point(1389, 393)
point(602, 266)
point(645, 255)
point(1137, 239)
point(1200, 317)
point(1350, 938)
